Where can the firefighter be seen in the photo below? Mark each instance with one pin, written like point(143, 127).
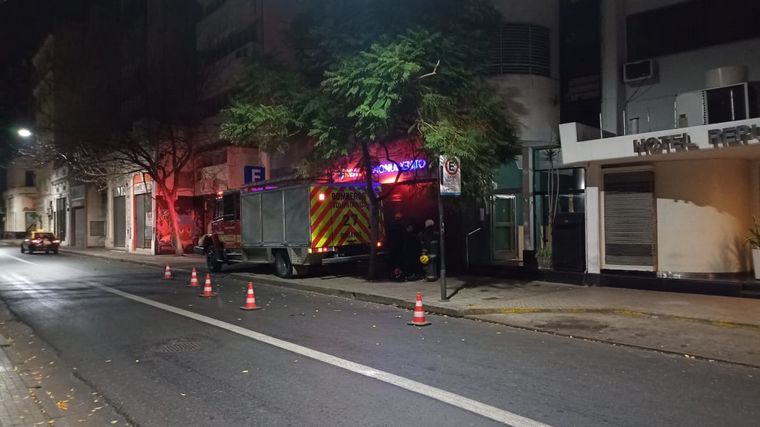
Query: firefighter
point(396, 237)
point(411, 251)
point(429, 257)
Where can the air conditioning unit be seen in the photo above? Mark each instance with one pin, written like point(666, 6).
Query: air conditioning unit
point(717, 105)
point(638, 71)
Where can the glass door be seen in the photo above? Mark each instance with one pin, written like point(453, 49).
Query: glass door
point(504, 228)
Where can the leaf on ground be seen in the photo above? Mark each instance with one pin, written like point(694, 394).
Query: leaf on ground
point(63, 405)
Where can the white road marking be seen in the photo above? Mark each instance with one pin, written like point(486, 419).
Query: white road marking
point(20, 259)
point(452, 399)
point(441, 395)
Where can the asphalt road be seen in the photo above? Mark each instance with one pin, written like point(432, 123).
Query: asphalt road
point(165, 357)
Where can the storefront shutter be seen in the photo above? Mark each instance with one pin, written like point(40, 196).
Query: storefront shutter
point(629, 219)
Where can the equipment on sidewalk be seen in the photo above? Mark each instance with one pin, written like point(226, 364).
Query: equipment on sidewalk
point(168, 273)
point(419, 313)
point(193, 279)
point(250, 299)
point(207, 290)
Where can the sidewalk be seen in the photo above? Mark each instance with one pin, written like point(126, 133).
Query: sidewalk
point(695, 326)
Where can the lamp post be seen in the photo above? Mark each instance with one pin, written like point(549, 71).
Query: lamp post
point(24, 133)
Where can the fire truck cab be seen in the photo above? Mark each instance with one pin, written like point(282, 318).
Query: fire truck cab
point(292, 226)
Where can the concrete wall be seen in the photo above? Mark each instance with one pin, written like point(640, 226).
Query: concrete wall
point(685, 72)
point(45, 196)
point(637, 6)
point(18, 202)
point(96, 209)
point(539, 12)
point(270, 19)
point(533, 102)
point(703, 213)
point(237, 159)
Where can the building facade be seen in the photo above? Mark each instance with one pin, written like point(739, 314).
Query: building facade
point(69, 106)
point(524, 68)
point(671, 165)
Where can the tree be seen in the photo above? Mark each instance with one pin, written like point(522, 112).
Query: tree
point(160, 150)
point(112, 103)
point(362, 82)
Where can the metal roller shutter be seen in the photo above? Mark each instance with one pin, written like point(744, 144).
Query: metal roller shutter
point(629, 219)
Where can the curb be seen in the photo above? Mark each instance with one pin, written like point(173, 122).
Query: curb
point(474, 313)
point(432, 307)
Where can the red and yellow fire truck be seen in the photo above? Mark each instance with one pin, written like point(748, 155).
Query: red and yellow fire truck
point(291, 225)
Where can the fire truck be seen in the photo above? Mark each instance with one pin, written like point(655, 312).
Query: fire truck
point(293, 225)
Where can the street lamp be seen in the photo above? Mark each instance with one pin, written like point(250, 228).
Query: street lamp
point(24, 133)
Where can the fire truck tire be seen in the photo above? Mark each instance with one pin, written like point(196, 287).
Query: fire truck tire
point(282, 266)
point(212, 260)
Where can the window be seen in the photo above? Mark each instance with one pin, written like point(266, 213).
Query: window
point(231, 203)
point(520, 49)
point(29, 179)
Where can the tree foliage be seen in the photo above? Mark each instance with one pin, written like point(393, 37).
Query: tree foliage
point(371, 72)
point(376, 71)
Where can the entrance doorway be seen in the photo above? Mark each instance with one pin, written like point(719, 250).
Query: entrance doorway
point(143, 221)
point(79, 228)
point(629, 220)
point(119, 221)
point(504, 227)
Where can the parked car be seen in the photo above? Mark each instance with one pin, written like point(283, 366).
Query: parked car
point(41, 241)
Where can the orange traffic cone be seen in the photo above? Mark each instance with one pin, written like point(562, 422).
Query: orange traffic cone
point(193, 280)
point(250, 299)
point(168, 273)
point(207, 291)
point(419, 313)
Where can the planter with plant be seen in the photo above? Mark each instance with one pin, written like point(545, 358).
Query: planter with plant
point(754, 241)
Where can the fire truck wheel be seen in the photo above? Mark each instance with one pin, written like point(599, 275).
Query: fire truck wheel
point(282, 266)
point(212, 260)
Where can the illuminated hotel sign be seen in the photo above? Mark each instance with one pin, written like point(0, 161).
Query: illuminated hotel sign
point(732, 136)
point(719, 138)
point(579, 144)
point(663, 144)
point(385, 168)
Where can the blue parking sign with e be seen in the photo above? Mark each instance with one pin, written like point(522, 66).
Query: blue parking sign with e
point(254, 174)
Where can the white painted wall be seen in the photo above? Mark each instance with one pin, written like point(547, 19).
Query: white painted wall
point(703, 213)
point(18, 202)
point(593, 219)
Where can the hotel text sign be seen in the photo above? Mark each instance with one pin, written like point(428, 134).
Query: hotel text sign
point(731, 136)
